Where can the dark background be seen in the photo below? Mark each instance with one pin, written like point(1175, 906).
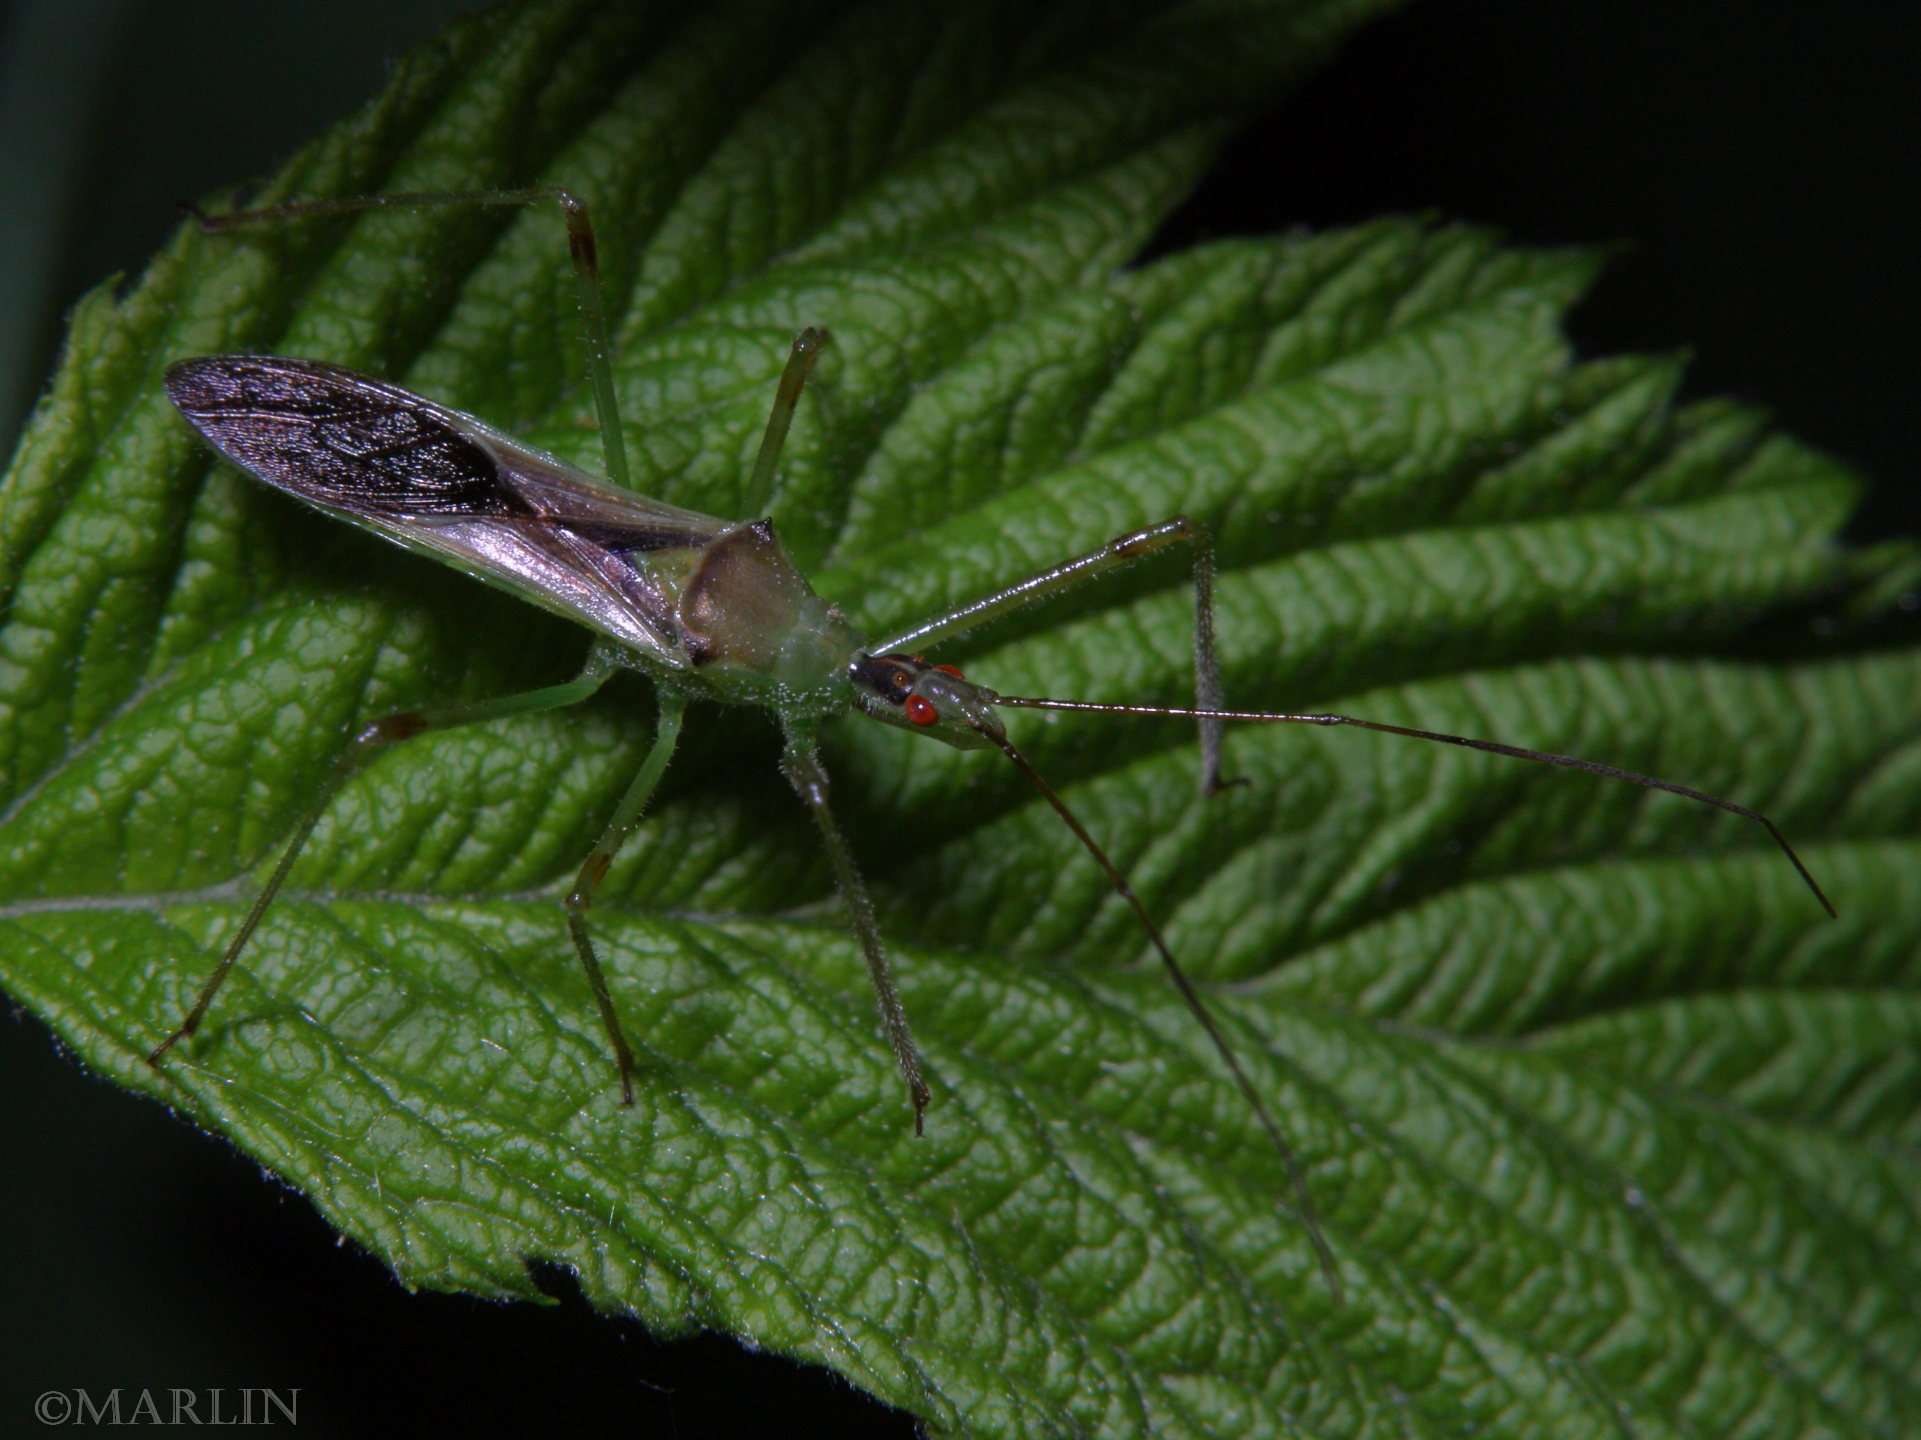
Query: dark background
point(1760, 159)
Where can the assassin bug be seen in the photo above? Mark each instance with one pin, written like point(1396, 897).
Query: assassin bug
point(710, 609)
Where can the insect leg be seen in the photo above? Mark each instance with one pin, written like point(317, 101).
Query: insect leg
point(800, 362)
point(1122, 551)
point(594, 869)
point(800, 762)
point(580, 243)
point(403, 725)
point(1208, 694)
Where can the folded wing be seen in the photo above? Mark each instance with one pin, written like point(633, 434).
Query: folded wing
point(445, 484)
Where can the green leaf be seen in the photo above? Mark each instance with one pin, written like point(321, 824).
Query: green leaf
point(1610, 1128)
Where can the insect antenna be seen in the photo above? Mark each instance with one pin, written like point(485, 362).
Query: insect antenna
point(1492, 747)
point(1303, 1200)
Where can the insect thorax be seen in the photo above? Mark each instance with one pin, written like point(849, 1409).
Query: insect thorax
point(750, 621)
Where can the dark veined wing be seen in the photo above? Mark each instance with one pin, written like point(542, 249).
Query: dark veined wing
point(447, 485)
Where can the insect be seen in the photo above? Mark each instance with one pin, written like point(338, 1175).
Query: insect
point(710, 609)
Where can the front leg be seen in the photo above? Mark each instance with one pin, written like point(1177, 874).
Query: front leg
point(1116, 554)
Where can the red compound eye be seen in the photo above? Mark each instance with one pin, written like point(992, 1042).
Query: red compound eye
point(921, 710)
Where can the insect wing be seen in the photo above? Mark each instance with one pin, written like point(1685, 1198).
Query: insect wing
point(444, 484)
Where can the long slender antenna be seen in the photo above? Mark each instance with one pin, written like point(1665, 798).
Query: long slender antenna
point(1515, 752)
point(1304, 1201)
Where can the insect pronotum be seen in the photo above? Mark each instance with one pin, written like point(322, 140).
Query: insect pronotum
point(710, 609)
